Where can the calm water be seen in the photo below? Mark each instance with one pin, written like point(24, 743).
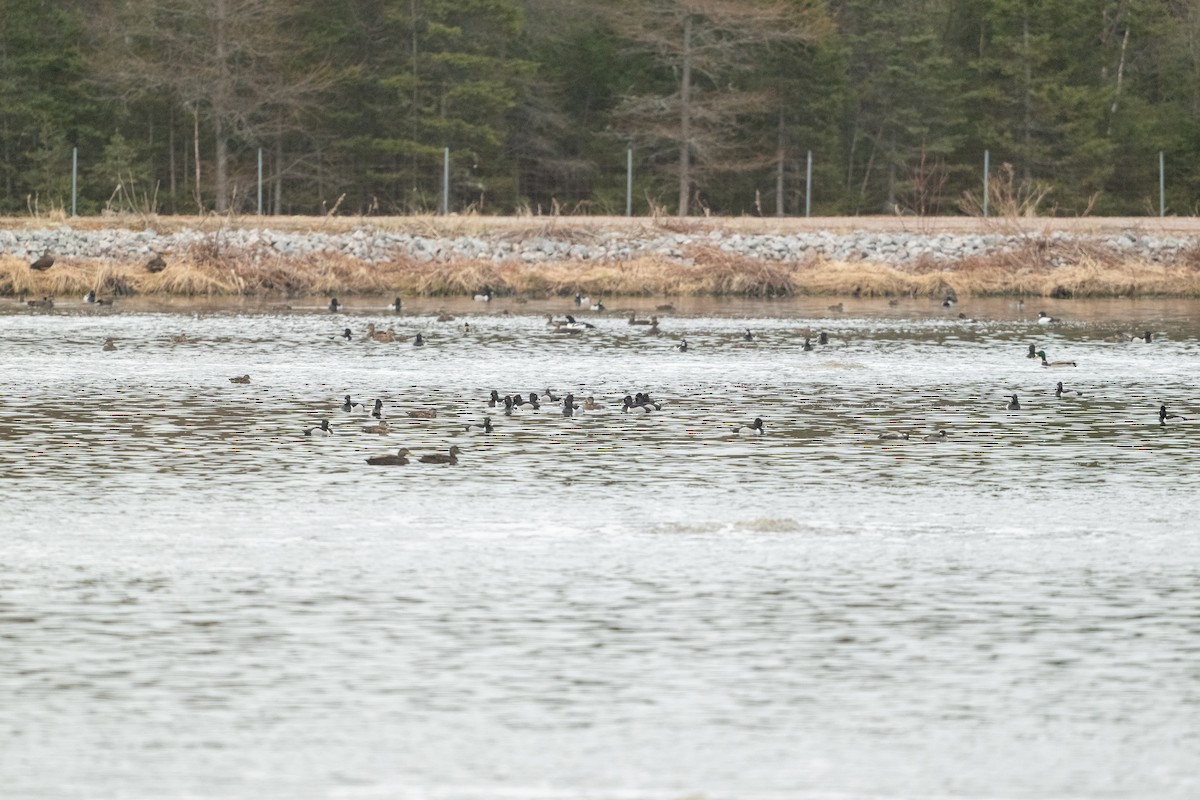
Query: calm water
point(196, 601)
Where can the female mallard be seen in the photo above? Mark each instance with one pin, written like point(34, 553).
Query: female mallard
point(1014, 405)
point(1042, 355)
point(321, 430)
point(379, 336)
point(440, 458)
point(397, 460)
point(1163, 416)
point(381, 429)
point(240, 379)
point(422, 413)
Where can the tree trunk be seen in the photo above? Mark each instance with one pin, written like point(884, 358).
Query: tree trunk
point(171, 156)
point(685, 120)
point(1027, 102)
point(196, 147)
point(277, 178)
point(779, 157)
point(219, 111)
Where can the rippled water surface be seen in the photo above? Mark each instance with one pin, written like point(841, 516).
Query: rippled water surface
point(198, 601)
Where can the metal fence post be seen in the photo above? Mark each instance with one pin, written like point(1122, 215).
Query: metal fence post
point(986, 178)
point(808, 187)
point(445, 181)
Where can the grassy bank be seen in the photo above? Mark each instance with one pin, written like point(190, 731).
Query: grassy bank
point(1042, 266)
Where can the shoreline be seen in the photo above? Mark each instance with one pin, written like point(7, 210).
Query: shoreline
point(538, 257)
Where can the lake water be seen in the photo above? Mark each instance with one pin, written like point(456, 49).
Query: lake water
point(197, 601)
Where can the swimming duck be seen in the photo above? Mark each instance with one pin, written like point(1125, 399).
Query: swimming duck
point(747, 336)
point(1032, 352)
point(347, 335)
point(350, 407)
point(44, 263)
point(377, 412)
point(104, 301)
point(639, 407)
point(549, 395)
point(1015, 405)
point(508, 405)
point(682, 346)
point(90, 297)
point(397, 460)
point(1042, 355)
point(580, 300)
point(894, 302)
point(1163, 416)
point(1046, 319)
point(836, 307)
point(379, 336)
point(395, 306)
point(940, 436)
point(484, 297)
point(633, 320)
point(156, 264)
point(569, 406)
point(444, 317)
point(178, 338)
point(643, 399)
point(597, 306)
point(1059, 391)
point(950, 300)
point(422, 413)
point(653, 329)
point(823, 338)
point(486, 427)
point(590, 404)
point(893, 435)
point(807, 345)
point(381, 429)
point(753, 429)
point(240, 379)
point(418, 341)
point(494, 400)
point(439, 458)
point(321, 430)
point(45, 302)
point(109, 345)
point(466, 328)
point(1146, 337)
point(334, 305)
point(532, 402)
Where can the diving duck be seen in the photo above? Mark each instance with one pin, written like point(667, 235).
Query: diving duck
point(422, 413)
point(1046, 319)
point(1060, 392)
point(395, 306)
point(485, 427)
point(350, 407)
point(1163, 416)
point(753, 429)
point(1042, 355)
point(109, 345)
point(334, 305)
point(321, 430)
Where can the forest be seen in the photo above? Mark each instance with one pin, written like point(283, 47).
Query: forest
point(170, 106)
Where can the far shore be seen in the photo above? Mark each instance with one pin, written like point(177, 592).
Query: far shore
point(1038, 261)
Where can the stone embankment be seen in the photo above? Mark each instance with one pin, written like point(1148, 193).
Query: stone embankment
point(372, 245)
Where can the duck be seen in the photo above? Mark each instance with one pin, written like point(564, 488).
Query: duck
point(939, 436)
point(347, 335)
point(590, 404)
point(747, 336)
point(90, 297)
point(382, 428)
point(494, 400)
point(682, 346)
point(653, 330)
point(484, 427)
point(823, 338)
point(395, 306)
point(807, 347)
point(445, 317)
point(109, 345)
point(397, 460)
point(580, 300)
point(836, 307)
point(597, 306)
point(240, 379)
point(569, 406)
point(104, 301)
point(633, 320)
point(753, 429)
point(1117, 338)
point(179, 338)
point(949, 301)
point(1059, 391)
point(418, 341)
point(551, 322)
point(533, 401)
point(1163, 416)
point(1014, 404)
point(334, 305)
point(484, 297)
point(321, 430)
point(156, 264)
point(377, 412)
point(379, 336)
point(45, 262)
point(1032, 352)
point(631, 405)
point(1146, 338)
point(664, 307)
point(1046, 319)
point(440, 458)
point(549, 395)
point(894, 436)
point(422, 413)
point(466, 328)
point(45, 302)
point(508, 405)
point(643, 399)
point(350, 407)
point(1042, 355)
point(894, 302)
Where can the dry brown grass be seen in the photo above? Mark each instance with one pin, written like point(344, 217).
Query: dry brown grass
point(1042, 267)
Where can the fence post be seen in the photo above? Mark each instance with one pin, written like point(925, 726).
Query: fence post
point(808, 187)
point(1162, 185)
point(986, 178)
point(445, 181)
point(74, 176)
point(629, 182)
point(260, 181)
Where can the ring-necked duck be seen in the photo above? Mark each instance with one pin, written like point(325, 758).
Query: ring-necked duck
point(1163, 416)
point(347, 335)
point(823, 338)
point(349, 407)
point(396, 305)
point(1046, 319)
point(1032, 352)
point(486, 427)
point(753, 429)
point(334, 305)
point(1059, 391)
point(807, 345)
point(484, 297)
point(940, 436)
point(597, 306)
point(747, 336)
point(682, 346)
point(321, 430)
point(508, 405)
point(439, 458)
point(397, 460)
point(418, 341)
point(377, 413)
point(569, 406)
point(90, 297)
